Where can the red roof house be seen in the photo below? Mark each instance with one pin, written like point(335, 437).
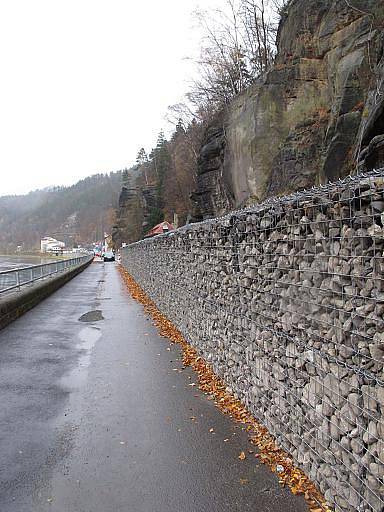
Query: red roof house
point(163, 227)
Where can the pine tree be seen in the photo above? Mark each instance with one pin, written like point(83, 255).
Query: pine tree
point(125, 178)
point(162, 163)
point(142, 157)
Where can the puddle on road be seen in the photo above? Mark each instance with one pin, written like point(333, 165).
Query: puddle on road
point(88, 337)
point(77, 377)
point(92, 316)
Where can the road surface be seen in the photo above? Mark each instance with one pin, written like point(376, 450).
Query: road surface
point(95, 418)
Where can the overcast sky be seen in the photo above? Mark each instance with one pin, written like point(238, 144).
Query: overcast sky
point(85, 83)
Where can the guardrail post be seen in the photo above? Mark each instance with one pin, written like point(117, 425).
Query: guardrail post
point(18, 280)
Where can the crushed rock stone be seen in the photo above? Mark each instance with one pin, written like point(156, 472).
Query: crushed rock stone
point(269, 453)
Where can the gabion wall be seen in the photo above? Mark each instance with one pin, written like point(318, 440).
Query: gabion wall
point(286, 301)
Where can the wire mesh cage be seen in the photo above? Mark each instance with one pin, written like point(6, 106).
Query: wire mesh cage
point(286, 300)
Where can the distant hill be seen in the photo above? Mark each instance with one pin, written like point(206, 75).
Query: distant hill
point(78, 214)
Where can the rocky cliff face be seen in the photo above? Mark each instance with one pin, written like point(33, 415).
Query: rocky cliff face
point(129, 221)
point(317, 115)
point(213, 186)
point(137, 201)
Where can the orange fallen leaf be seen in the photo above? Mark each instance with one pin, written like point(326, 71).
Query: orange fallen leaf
point(209, 383)
point(242, 456)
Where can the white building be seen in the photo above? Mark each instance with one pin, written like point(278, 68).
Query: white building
point(49, 244)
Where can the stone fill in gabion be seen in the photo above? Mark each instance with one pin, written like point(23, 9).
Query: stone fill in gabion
point(286, 301)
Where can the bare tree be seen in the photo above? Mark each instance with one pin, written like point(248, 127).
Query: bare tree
point(221, 62)
point(279, 7)
point(238, 47)
point(260, 28)
point(183, 115)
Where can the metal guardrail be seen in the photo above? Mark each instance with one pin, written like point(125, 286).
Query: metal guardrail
point(14, 279)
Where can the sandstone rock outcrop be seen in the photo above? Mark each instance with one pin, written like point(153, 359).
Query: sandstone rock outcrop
point(129, 222)
point(314, 116)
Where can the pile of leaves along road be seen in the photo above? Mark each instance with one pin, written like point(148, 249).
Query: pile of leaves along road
point(269, 453)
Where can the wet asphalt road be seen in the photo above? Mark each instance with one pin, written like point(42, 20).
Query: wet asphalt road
point(95, 418)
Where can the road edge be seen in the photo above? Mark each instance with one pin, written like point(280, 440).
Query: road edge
point(17, 303)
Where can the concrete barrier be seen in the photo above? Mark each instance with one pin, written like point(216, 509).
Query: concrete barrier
point(16, 303)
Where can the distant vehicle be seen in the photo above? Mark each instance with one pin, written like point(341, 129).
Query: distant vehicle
point(109, 256)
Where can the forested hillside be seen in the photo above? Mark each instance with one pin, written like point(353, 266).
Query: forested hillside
point(78, 214)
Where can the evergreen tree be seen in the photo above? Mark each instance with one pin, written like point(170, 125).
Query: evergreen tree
point(162, 163)
point(142, 157)
point(125, 178)
point(180, 128)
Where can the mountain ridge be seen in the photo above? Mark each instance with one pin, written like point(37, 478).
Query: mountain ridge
point(76, 214)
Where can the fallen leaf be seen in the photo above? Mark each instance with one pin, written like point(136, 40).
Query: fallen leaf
point(244, 481)
point(242, 456)
point(212, 386)
point(211, 430)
